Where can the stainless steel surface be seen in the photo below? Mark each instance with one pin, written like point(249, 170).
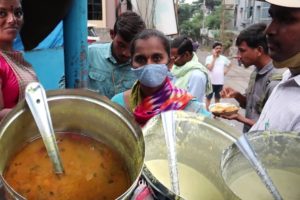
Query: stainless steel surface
point(250, 154)
point(36, 99)
point(276, 150)
point(247, 150)
point(199, 144)
point(82, 112)
point(168, 121)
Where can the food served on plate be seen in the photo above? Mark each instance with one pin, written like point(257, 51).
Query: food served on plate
point(223, 108)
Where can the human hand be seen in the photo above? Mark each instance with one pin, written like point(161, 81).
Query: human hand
point(215, 53)
point(234, 116)
point(228, 92)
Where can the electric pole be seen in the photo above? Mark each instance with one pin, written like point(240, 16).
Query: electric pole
point(222, 26)
point(204, 13)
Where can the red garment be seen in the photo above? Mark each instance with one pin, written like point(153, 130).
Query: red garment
point(9, 84)
point(167, 98)
point(15, 74)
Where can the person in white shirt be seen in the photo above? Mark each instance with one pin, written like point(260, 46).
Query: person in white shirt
point(282, 111)
point(218, 66)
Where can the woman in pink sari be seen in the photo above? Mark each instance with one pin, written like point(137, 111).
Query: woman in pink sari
point(15, 72)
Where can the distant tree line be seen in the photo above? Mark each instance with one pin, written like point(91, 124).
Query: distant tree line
point(191, 16)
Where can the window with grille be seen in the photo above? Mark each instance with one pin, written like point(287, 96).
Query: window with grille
point(94, 9)
point(265, 11)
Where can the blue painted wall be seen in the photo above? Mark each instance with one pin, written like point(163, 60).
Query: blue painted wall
point(47, 58)
point(48, 65)
point(52, 62)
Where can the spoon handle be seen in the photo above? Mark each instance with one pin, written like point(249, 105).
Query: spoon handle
point(36, 99)
point(247, 150)
point(168, 121)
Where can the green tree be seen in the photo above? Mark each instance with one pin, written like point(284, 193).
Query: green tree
point(184, 12)
point(189, 20)
point(192, 26)
point(210, 4)
point(190, 17)
point(213, 20)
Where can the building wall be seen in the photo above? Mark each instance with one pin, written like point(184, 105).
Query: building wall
point(250, 12)
point(261, 13)
point(44, 65)
point(103, 26)
point(101, 23)
point(108, 14)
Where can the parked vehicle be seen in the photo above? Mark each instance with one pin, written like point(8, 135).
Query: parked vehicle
point(92, 35)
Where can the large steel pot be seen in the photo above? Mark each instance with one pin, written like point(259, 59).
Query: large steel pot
point(79, 111)
point(279, 153)
point(199, 145)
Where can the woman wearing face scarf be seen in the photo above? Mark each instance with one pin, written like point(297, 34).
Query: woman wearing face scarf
point(154, 93)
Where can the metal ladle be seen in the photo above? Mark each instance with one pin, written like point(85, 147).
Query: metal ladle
point(36, 99)
point(168, 121)
point(249, 153)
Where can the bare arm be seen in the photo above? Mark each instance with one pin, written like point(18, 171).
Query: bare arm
point(211, 65)
point(239, 118)
point(245, 120)
point(214, 58)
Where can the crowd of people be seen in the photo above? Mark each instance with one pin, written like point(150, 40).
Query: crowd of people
point(154, 92)
point(166, 73)
point(116, 72)
point(148, 73)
